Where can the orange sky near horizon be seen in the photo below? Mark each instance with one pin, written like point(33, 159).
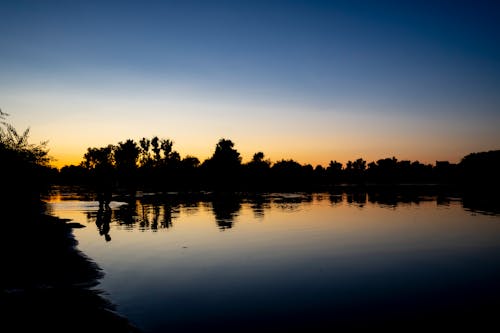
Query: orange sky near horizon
point(309, 134)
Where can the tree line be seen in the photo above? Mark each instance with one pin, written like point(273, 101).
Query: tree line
point(153, 164)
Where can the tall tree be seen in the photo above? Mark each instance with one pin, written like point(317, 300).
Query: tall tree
point(126, 155)
point(145, 156)
point(225, 156)
point(96, 159)
point(155, 143)
point(100, 163)
point(224, 167)
point(257, 172)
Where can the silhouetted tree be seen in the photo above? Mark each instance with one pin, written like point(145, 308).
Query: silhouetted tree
point(145, 156)
point(257, 172)
point(18, 144)
point(159, 164)
point(98, 158)
point(383, 171)
point(170, 166)
point(334, 172)
point(223, 168)
point(74, 174)
point(100, 163)
point(23, 166)
point(320, 176)
point(481, 169)
point(126, 155)
point(190, 162)
point(355, 171)
point(156, 147)
point(166, 147)
point(225, 156)
point(290, 175)
point(190, 173)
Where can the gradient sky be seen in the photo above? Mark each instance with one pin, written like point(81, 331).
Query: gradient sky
point(309, 80)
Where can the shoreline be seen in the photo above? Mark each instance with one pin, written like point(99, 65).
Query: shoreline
point(50, 285)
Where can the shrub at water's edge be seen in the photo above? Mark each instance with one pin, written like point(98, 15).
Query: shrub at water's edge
point(24, 166)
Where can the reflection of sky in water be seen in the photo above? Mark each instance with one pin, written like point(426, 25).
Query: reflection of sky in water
point(270, 259)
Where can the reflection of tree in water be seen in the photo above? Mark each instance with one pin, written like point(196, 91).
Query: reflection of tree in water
point(103, 219)
point(190, 208)
point(167, 216)
point(225, 209)
point(384, 198)
point(156, 216)
point(358, 198)
point(335, 199)
point(127, 214)
point(259, 204)
point(146, 215)
point(443, 200)
point(143, 216)
point(319, 197)
point(394, 198)
point(482, 203)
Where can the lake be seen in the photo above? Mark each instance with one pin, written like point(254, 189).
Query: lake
point(291, 261)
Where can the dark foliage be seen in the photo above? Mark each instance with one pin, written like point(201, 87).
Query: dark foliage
point(481, 169)
point(23, 166)
point(152, 164)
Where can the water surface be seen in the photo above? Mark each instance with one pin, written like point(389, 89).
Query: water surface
point(279, 262)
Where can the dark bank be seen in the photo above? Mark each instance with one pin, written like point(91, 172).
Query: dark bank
point(47, 284)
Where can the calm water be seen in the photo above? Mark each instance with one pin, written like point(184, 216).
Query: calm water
point(285, 261)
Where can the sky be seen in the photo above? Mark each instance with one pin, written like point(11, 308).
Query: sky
point(310, 80)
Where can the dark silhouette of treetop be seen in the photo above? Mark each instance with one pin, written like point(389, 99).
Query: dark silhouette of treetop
point(126, 155)
point(225, 155)
point(222, 170)
point(155, 143)
point(99, 159)
point(18, 144)
point(145, 156)
point(258, 157)
point(481, 168)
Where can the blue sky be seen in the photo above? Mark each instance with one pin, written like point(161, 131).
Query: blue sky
point(311, 80)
